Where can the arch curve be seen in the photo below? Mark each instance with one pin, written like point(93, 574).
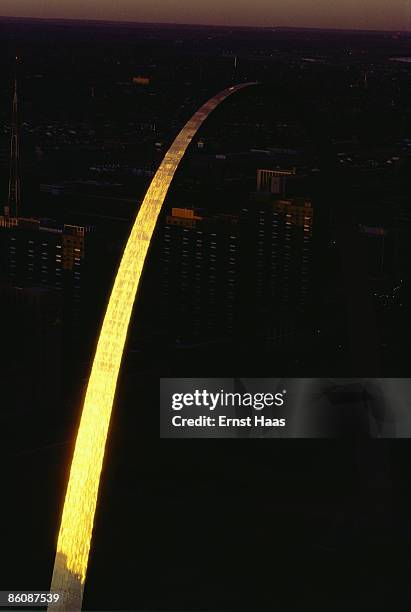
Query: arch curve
point(77, 520)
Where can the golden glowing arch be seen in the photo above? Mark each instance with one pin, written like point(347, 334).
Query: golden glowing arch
point(77, 520)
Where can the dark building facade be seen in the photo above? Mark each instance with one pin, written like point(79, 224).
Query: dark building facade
point(243, 276)
point(45, 287)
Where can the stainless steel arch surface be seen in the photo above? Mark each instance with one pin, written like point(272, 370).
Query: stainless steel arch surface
point(77, 520)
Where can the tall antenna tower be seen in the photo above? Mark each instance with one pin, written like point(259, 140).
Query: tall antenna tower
point(12, 206)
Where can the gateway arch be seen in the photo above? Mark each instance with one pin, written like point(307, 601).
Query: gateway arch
point(77, 520)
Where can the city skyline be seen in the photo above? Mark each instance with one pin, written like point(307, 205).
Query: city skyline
point(363, 15)
point(157, 236)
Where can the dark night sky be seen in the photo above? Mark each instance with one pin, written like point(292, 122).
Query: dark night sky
point(367, 14)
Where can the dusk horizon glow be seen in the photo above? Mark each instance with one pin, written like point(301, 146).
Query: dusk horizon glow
point(351, 14)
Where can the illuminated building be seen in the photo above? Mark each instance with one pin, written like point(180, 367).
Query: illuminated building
point(41, 253)
point(74, 538)
point(273, 181)
point(199, 275)
point(38, 251)
point(234, 276)
point(283, 265)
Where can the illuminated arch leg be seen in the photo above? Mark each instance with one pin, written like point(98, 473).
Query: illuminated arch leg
point(75, 534)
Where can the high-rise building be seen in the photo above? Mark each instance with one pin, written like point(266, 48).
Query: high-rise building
point(273, 181)
point(283, 265)
point(244, 275)
point(41, 253)
point(199, 268)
